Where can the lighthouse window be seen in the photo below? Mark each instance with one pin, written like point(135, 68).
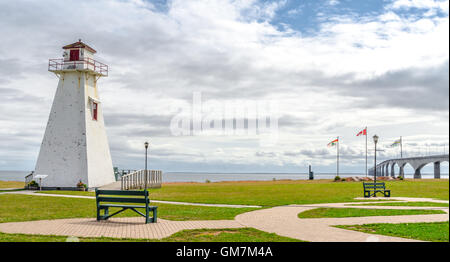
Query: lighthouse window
point(94, 110)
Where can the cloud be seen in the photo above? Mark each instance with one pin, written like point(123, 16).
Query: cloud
point(353, 69)
point(420, 4)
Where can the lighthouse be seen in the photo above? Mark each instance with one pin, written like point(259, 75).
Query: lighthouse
point(75, 146)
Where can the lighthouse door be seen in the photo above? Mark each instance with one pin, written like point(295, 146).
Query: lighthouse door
point(74, 55)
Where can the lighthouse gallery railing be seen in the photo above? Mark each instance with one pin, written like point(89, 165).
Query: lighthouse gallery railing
point(60, 64)
point(138, 179)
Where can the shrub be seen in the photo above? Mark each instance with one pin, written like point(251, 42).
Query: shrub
point(207, 181)
point(81, 184)
point(33, 184)
point(337, 178)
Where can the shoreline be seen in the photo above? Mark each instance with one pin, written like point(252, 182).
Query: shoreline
point(266, 181)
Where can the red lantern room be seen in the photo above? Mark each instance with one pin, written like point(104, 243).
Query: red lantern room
point(78, 51)
point(80, 57)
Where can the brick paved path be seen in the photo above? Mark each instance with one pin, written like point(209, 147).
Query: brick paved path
point(126, 227)
point(284, 221)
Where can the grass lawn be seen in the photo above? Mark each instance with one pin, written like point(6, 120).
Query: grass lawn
point(409, 204)
point(436, 232)
point(16, 207)
point(11, 184)
point(362, 212)
point(276, 193)
point(196, 235)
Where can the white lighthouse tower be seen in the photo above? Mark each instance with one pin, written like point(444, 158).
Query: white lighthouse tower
point(75, 147)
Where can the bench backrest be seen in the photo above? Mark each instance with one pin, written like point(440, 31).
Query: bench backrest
point(374, 185)
point(110, 196)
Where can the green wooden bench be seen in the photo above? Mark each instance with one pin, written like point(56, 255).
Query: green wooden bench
point(104, 198)
point(371, 189)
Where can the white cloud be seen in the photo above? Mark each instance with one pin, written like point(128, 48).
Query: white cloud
point(333, 2)
point(422, 4)
point(330, 83)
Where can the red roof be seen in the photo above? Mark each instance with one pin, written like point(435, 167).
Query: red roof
point(80, 44)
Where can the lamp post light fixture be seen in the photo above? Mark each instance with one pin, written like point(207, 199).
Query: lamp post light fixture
point(146, 172)
point(375, 141)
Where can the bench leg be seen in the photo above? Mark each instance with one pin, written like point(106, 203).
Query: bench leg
point(154, 215)
point(152, 219)
point(106, 213)
point(366, 193)
point(387, 193)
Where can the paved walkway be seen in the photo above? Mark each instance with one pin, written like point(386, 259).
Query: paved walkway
point(281, 220)
point(113, 186)
point(127, 227)
point(409, 199)
point(284, 221)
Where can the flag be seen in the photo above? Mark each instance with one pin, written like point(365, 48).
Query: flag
point(396, 143)
point(362, 132)
point(333, 143)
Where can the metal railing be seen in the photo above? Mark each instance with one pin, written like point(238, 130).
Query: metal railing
point(60, 64)
point(139, 179)
point(28, 179)
point(120, 173)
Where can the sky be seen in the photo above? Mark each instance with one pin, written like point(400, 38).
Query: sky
point(331, 67)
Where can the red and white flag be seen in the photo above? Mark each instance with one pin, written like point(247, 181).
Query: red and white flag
point(362, 132)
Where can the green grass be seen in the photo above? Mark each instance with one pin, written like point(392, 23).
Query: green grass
point(67, 192)
point(409, 204)
point(12, 190)
point(436, 232)
point(276, 193)
point(16, 207)
point(362, 212)
point(11, 184)
point(227, 235)
point(196, 235)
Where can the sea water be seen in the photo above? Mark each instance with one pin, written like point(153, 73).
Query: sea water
point(216, 177)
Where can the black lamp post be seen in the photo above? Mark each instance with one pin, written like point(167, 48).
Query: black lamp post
point(146, 172)
point(375, 141)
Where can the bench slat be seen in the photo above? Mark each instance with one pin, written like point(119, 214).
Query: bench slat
point(122, 199)
point(372, 184)
point(121, 192)
point(129, 206)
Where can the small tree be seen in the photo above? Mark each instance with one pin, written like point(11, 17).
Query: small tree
point(33, 184)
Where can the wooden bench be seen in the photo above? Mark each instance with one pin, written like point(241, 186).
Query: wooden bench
point(109, 196)
point(378, 187)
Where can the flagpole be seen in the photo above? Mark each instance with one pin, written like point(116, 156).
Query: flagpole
point(337, 156)
point(401, 148)
point(366, 152)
